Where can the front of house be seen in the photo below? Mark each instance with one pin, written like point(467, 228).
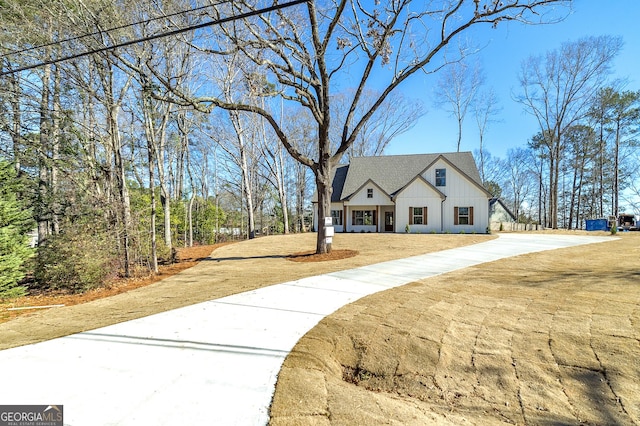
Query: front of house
point(424, 193)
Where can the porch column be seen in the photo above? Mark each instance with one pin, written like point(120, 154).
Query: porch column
point(344, 219)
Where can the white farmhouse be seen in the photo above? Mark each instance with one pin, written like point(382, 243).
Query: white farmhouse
point(421, 193)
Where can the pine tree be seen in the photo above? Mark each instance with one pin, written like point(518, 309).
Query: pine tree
point(15, 221)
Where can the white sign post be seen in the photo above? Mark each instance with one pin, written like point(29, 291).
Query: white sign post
point(328, 232)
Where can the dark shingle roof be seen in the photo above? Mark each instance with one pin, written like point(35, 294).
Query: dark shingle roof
point(339, 178)
point(393, 172)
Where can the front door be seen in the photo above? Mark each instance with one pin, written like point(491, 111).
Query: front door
point(388, 221)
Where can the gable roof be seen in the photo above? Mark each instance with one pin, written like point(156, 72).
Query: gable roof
point(419, 178)
point(369, 181)
point(496, 200)
point(392, 172)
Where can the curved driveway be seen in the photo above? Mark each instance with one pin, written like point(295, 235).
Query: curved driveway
point(215, 362)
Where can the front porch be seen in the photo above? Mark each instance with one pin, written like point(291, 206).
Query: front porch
point(364, 219)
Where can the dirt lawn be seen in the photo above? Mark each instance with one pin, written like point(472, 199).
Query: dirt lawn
point(551, 338)
point(230, 269)
point(547, 338)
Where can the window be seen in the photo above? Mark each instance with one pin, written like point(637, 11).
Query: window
point(364, 217)
point(336, 215)
point(370, 193)
point(463, 215)
point(417, 215)
point(441, 177)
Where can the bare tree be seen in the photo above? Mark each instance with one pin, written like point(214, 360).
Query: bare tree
point(456, 91)
point(308, 50)
point(395, 116)
point(518, 180)
point(485, 108)
point(581, 146)
point(621, 115)
point(557, 89)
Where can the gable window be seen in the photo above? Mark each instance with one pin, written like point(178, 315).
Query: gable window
point(336, 215)
point(441, 177)
point(463, 215)
point(417, 215)
point(363, 217)
point(370, 193)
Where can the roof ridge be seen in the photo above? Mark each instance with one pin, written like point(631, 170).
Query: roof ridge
point(412, 155)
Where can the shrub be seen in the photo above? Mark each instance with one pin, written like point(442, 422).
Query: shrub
point(15, 221)
point(14, 252)
point(74, 261)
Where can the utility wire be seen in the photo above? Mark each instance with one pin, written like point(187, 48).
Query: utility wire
point(121, 27)
point(157, 36)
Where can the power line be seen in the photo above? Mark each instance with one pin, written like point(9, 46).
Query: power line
point(157, 36)
point(121, 27)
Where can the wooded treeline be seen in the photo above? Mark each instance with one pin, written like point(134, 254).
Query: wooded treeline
point(584, 161)
point(225, 131)
point(107, 162)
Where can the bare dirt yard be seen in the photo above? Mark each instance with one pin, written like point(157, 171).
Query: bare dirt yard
point(230, 269)
point(550, 338)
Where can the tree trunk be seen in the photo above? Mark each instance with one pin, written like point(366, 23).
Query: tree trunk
point(616, 173)
point(121, 182)
point(16, 124)
point(55, 152)
point(323, 183)
point(248, 193)
point(152, 189)
point(300, 192)
point(43, 173)
point(282, 190)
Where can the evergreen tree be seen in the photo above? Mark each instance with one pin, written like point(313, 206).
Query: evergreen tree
point(15, 221)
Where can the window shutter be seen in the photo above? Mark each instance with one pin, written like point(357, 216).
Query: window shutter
point(424, 216)
point(375, 217)
point(455, 215)
point(470, 215)
point(353, 217)
point(410, 215)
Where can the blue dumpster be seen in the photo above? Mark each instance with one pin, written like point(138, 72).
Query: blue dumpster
point(597, 225)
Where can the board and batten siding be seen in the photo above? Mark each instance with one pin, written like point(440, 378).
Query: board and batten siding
point(418, 194)
point(379, 197)
point(460, 192)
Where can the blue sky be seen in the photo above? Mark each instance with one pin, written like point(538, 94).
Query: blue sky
point(507, 46)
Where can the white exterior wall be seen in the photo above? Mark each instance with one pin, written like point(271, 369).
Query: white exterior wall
point(460, 192)
point(379, 197)
point(418, 194)
point(359, 201)
point(480, 206)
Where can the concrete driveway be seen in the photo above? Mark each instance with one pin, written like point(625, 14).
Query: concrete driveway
point(215, 362)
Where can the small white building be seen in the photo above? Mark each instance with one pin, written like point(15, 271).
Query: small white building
point(500, 216)
point(421, 193)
